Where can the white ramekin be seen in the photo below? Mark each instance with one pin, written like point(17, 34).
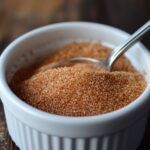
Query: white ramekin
point(32, 129)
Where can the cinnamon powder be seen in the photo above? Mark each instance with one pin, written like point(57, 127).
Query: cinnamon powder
point(80, 89)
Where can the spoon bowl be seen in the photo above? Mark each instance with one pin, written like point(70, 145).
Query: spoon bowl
point(116, 53)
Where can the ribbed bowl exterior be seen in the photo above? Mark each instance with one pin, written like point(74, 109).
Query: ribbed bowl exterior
point(27, 138)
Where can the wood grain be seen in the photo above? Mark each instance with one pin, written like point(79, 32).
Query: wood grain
point(3, 134)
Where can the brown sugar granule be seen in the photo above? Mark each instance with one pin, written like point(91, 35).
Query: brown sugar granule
point(81, 89)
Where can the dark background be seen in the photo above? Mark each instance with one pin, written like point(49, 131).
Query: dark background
point(20, 16)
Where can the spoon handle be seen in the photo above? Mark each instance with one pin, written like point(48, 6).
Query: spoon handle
point(118, 51)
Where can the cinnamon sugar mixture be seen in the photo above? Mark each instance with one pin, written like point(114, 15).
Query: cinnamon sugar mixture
point(80, 89)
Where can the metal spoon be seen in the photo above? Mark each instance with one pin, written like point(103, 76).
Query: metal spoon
point(116, 53)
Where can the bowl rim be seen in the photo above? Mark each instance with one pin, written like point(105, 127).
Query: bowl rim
point(7, 92)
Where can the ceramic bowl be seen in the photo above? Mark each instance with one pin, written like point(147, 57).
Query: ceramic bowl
point(33, 129)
